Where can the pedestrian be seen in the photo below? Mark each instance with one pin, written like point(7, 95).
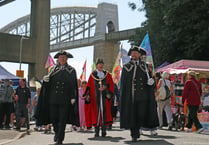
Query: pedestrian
point(2, 100)
point(165, 104)
point(7, 105)
point(149, 67)
point(58, 100)
point(33, 108)
point(99, 92)
point(138, 106)
point(81, 105)
point(23, 98)
point(12, 116)
point(191, 94)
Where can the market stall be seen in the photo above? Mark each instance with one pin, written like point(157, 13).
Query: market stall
point(178, 71)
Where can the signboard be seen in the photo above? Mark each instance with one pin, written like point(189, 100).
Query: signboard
point(20, 73)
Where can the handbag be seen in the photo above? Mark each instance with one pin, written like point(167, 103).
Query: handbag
point(168, 92)
point(161, 93)
point(164, 92)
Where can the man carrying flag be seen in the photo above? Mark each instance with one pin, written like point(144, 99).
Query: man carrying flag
point(138, 106)
point(146, 57)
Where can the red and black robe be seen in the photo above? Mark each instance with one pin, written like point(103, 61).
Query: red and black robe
point(92, 106)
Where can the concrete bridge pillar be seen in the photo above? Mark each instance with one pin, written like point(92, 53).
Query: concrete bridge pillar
point(106, 22)
point(40, 36)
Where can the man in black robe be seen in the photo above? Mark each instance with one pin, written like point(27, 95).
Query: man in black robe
point(138, 106)
point(58, 101)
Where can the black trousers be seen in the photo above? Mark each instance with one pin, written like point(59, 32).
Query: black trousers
point(21, 111)
point(192, 117)
point(1, 115)
point(5, 111)
point(114, 110)
point(58, 116)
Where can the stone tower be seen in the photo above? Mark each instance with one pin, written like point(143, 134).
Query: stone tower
point(106, 22)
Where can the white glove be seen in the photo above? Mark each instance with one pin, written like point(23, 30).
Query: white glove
point(72, 101)
point(46, 78)
point(150, 81)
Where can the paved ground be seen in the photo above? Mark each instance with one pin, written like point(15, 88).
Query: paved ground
point(7, 136)
point(114, 137)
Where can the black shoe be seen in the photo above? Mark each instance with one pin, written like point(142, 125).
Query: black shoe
point(104, 134)
point(134, 139)
point(58, 142)
point(96, 131)
point(17, 129)
point(170, 128)
point(96, 134)
point(55, 137)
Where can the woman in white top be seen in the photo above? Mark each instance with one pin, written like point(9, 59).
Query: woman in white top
point(165, 104)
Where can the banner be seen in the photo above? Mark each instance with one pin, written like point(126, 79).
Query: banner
point(117, 68)
point(49, 62)
point(83, 74)
point(146, 45)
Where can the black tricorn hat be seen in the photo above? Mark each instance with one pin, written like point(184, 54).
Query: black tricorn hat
point(99, 60)
point(62, 52)
point(136, 48)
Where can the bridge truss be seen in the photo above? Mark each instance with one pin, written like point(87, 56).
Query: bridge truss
point(68, 25)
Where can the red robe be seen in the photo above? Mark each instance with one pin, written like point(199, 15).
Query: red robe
point(91, 106)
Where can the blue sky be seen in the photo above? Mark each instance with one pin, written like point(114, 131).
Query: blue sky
point(127, 19)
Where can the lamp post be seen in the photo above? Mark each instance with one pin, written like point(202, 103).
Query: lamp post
point(20, 59)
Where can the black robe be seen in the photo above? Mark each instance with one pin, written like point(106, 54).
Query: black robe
point(138, 105)
point(42, 113)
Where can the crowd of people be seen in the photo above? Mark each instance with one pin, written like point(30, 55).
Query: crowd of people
point(64, 99)
point(14, 105)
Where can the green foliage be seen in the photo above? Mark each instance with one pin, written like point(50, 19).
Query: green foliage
point(178, 29)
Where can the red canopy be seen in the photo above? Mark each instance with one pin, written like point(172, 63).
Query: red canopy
point(182, 66)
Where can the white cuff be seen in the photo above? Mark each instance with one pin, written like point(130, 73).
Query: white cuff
point(72, 101)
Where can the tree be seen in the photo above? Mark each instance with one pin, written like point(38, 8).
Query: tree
point(178, 29)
